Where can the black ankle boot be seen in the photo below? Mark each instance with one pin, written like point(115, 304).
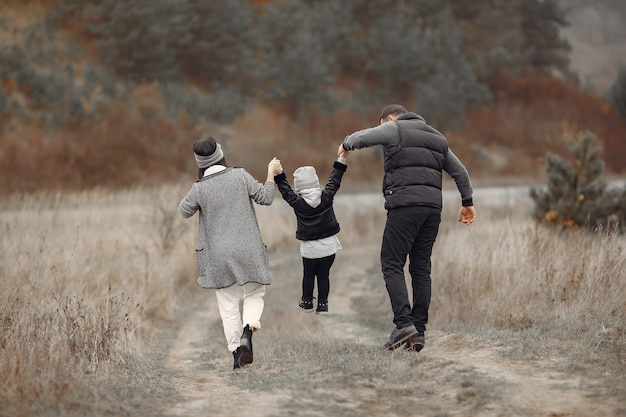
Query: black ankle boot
point(237, 359)
point(245, 346)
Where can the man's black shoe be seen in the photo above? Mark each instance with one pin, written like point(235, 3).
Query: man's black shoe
point(401, 336)
point(417, 344)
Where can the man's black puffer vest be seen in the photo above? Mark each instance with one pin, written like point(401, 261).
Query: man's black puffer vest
point(413, 168)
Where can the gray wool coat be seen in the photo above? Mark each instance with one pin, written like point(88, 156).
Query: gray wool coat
point(230, 248)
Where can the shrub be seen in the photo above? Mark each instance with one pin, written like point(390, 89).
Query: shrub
point(577, 196)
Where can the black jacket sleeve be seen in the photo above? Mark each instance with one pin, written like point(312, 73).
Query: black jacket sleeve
point(285, 189)
point(335, 178)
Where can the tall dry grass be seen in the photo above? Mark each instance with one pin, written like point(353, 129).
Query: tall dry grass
point(89, 279)
point(508, 272)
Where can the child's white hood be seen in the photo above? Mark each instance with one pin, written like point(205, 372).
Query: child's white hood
point(312, 196)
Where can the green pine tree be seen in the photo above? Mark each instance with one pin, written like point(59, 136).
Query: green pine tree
point(577, 195)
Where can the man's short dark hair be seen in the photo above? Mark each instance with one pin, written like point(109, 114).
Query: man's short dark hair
point(392, 109)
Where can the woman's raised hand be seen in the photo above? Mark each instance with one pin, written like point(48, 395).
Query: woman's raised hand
point(275, 166)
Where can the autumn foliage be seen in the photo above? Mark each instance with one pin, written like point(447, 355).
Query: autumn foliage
point(136, 142)
point(112, 94)
point(529, 117)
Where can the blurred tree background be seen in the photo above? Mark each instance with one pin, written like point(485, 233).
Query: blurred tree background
point(112, 93)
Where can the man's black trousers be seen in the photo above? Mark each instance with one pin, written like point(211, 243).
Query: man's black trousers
point(409, 231)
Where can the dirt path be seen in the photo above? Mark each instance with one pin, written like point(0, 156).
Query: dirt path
point(524, 389)
point(208, 393)
point(200, 391)
point(530, 388)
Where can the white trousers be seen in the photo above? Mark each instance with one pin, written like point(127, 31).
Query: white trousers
point(228, 300)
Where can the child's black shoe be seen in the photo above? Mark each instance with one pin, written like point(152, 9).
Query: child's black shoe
point(306, 305)
point(322, 307)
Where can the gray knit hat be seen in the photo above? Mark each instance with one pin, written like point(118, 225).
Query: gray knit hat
point(304, 178)
point(205, 161)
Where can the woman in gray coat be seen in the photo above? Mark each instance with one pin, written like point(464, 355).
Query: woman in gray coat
point(230, 251)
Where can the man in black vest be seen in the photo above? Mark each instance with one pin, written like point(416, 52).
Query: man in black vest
point(415, 157)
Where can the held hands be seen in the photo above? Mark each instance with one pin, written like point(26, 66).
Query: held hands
point(274, 167)
point(467, 215)
point(341, 152)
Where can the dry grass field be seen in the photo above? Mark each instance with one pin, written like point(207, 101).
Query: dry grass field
point(100, 315)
